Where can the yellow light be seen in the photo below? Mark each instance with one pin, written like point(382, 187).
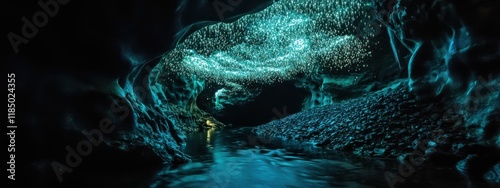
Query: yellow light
point(209, 123)
point(209, 133)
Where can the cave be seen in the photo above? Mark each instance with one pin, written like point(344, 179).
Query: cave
point(262, 93)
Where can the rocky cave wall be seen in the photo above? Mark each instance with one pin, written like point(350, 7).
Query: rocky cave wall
point(452, 55)
point(87, 67)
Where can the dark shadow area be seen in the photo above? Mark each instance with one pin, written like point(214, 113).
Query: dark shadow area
point(274, 102)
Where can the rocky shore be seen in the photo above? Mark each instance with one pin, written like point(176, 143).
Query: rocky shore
point(390, 123)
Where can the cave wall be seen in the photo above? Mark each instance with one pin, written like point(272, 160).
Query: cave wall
point(88, 64)
point(452, 55)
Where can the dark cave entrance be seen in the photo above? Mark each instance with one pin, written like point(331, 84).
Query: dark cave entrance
point(274, 102)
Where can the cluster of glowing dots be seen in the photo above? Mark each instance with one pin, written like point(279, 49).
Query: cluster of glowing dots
point(288, 38)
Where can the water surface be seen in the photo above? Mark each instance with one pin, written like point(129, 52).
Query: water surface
point(235, 157)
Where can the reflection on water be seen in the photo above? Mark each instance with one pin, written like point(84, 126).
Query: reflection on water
point(236, 158)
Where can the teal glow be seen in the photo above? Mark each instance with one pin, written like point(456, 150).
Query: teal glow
point(288, 38)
